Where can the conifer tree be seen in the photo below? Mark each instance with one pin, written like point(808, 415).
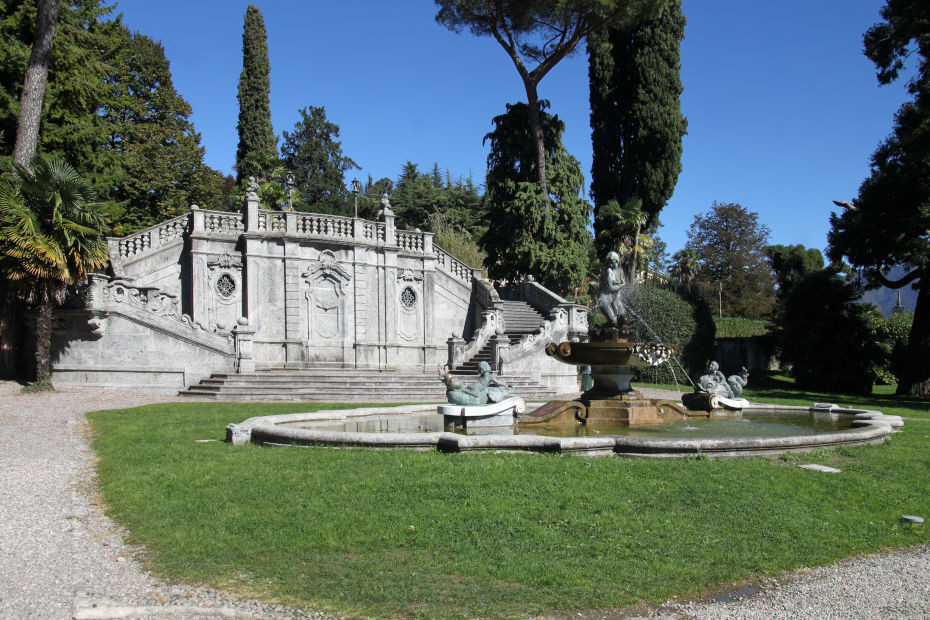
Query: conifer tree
point(636, 121)
point(257, 152)
point(531, 233)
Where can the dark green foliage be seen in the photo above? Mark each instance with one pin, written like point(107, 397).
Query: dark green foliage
point(730, 245)
point(636, 120)
point(530, 233)
point(791, 263)
point(888, 223)
point(314, 156)
point(667, 314)
point(86, 49)
point(541, 32)
point(418, 195)
point(257, 152)
point(733, 327)
point(826, 338)
point(893, 331)
point(112, 113)
point(158, 169)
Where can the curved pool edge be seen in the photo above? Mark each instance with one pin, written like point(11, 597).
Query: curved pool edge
point(869, 427)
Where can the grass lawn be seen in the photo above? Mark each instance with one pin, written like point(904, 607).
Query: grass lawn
point(400, 533)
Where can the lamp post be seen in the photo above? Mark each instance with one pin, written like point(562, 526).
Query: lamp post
point(290, 191)
point(356, 188)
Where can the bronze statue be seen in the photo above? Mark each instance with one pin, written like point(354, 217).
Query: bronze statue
point(486, 389)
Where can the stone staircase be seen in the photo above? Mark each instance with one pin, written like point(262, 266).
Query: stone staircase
point(520, 319)
point(354, 385)
point(343, 385)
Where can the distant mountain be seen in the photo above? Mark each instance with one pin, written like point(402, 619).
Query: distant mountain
point(886, 299)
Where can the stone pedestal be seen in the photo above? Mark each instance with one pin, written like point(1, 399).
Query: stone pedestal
point(629, 409)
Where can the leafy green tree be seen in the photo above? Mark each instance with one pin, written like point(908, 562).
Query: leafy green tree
point(314, 156)
point(530, 233)
point(257, 152)
point(414, 198)
point(829, 340)
point(112, 112)
point(888, 223)
point(86, 47)
point(791, 263)
point(157, 170)
point(636, 122)
point(733, 271)
point(50, 238)
point(541, 32)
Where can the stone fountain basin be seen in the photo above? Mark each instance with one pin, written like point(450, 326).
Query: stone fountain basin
point(867, 427)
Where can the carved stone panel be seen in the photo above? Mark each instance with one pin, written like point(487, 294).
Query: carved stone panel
point(409, 306)
point(326, 299)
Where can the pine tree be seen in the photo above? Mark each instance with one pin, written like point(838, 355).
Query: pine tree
point(636, 121)
point(257, 152)
point(314, 156)
point(530, 233)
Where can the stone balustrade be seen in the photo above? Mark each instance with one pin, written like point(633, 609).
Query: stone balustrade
point(293, 224)
point(150, 238)
point(453, 266)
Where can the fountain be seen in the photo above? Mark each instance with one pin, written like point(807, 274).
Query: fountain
point(632, 424)
point(611, 357)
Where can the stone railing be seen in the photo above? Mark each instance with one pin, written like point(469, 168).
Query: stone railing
point(291, 223)
point(461, 352)
point(150, 238)
point(453, 266)
point(556, 329)
point(104, 296)
point(409, 240)
point(321, 226)
point(272, 221)
point(218, 223)
point(548, 302)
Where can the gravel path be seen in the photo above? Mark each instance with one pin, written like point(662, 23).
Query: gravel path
point(61, 558)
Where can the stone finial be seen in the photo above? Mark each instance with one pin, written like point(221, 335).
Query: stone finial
point(385, 210)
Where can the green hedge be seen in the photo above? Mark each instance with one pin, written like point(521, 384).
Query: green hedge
point(675, 315)
point(735, 327)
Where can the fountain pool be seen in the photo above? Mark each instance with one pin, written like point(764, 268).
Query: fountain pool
point(762, 430)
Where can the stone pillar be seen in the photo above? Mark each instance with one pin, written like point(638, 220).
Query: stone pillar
point(500, 345)
point(243, 335)
point(251, 207)
point(456, 349)
point(293, 326)
point(197, 224)
point(387, 216)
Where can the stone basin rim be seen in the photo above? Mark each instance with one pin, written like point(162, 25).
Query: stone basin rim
point(872, 427)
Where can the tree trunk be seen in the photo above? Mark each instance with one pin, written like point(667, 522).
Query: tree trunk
point(916, 379)
point(44, 337)
point(30, 104)
point(536, 131)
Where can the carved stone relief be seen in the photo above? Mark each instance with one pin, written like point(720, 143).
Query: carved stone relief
point(326, 298)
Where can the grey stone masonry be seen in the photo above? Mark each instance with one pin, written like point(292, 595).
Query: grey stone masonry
point(225, 292)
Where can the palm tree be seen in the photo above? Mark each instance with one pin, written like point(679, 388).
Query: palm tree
point(685, 264)
point(50, 238)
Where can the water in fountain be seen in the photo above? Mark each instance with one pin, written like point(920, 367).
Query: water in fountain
point(659, 338)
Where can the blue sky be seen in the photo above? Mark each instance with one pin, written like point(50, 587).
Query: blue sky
point(783, 108)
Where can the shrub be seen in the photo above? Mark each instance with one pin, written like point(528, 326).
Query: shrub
point(735, 327)
point(894, 332)
point(826, 338)
point(663, 313)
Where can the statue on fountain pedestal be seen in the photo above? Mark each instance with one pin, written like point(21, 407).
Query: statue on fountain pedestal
point(485, 390)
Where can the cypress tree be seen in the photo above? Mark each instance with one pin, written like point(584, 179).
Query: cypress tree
point(636, 120)
point(257, 152)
